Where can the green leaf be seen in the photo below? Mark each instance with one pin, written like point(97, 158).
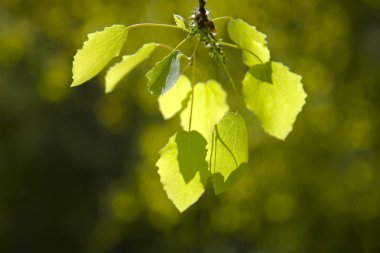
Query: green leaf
point(183, 168)
point(229, 152)
point(165, 74)
point(128, 63)
point(181, 22)
point(209, 108)
point(173, 101)
point(248, 38)
point(275, 95)
point(97, 52)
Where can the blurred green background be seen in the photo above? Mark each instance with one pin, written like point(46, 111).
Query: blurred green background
point(77, 167)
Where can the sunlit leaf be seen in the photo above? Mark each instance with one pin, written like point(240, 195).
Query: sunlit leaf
point(229, 152)
point(97, 52)
point(248, 38)
point(181, 22)
point(275, 95)
point(128, 63)
point(209, 108)
point(173, 101)
point(164, 74)
point(183, 168)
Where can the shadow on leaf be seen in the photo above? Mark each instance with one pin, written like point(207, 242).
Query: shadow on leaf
point(262, 72)
point(229, 155)
point(192, 156)
point(221, 184)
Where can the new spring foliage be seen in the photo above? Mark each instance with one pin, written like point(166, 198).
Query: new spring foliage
point(213, 142)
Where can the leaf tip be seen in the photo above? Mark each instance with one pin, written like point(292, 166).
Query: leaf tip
point(75, 83)
point(108, 90)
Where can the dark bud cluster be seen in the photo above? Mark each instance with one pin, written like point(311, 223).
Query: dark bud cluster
point(202, 24)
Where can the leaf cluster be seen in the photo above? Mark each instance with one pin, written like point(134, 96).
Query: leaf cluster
point(214, 141)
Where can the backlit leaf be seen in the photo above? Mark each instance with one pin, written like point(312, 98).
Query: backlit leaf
point(209, 108)
point(275, 95)
point(229, 152)
point(164, 74)
point(128, 63)
point(248, 38)
point(183, 168)
point(173, 101)
point(97, 52)
point(181, 22)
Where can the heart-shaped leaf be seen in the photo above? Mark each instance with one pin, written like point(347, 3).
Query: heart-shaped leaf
point(229, 152)
point(275, 95)
point(183, 168)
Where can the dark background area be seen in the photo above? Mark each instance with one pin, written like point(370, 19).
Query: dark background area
point(77, 167)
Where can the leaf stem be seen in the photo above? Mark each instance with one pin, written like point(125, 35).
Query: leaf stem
point(193, 83)
point(165, 46)
point(232, 82)
point(171, 49)
point(181, 43)
point(212, 150)
point(153, 25)
point(240, 48)
point(221, 18)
